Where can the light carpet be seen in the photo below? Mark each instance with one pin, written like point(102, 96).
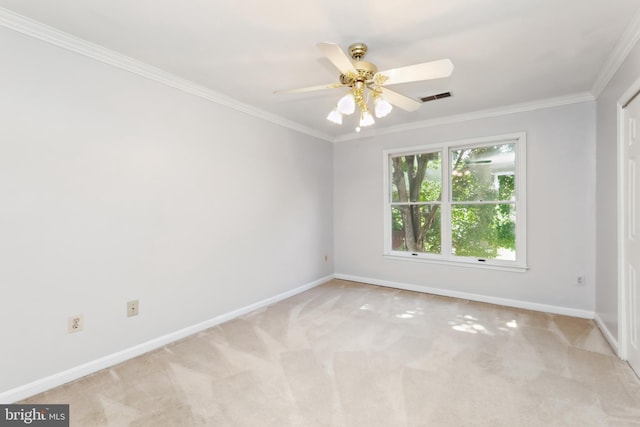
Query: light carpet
point(349, 354)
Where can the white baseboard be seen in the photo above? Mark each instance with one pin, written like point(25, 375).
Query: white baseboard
point(585, 314)
point(613, 342)
point(55, 380)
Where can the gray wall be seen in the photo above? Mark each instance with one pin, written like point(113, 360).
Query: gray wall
point(606, 191)
point(115, 187)
point(560, 210)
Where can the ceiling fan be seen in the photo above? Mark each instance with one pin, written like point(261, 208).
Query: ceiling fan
point(365, 81)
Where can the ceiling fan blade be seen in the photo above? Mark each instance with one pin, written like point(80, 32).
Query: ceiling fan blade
point(413, 73)
point(308, 89)
point(338, 58)
point(399, 100)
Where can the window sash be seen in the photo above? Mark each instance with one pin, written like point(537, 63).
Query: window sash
point(446, 204)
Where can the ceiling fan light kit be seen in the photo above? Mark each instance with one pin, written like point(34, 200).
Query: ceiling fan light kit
point(366, 119)
point(382, 106)
point(347, 104)
point(365, 82)
point(335, 116)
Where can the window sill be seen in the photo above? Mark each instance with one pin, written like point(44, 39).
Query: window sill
point(456, 263)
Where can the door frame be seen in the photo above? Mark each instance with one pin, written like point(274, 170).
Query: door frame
point(623, 330)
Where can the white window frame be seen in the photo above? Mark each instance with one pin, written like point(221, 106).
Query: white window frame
point(445, 257)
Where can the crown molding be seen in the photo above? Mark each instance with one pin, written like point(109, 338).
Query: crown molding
point(30, 27)
point(38, 30)
point(474, 115)
point(620, 52)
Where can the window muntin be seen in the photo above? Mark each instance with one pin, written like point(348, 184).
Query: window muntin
point(461, 202)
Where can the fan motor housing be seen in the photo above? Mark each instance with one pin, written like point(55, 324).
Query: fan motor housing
point(366, 71)
point(358, 50)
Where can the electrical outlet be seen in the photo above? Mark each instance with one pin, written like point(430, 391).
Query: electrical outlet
point(133, 308)
point(580, 281)
point(75, 323)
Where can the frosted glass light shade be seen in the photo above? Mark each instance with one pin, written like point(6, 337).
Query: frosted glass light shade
point(382, 106)
point(335, 116)
point(366, 119)
point(347, 104)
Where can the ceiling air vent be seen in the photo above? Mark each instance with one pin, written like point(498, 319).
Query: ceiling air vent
point(434, 97)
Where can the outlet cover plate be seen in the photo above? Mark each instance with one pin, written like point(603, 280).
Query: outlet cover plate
point(133, 308)
point(75, 323)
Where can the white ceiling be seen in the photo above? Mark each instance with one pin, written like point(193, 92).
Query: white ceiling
point(505, 52)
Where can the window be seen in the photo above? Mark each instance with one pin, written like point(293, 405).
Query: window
point(458, 202)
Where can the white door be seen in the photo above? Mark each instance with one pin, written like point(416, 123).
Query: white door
point(632, 230)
